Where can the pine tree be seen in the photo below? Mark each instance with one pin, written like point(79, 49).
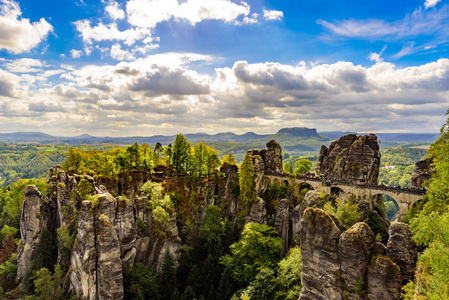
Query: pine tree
point(167, 276)
point(247, 182)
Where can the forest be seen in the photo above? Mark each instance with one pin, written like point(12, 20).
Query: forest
point(220, 258)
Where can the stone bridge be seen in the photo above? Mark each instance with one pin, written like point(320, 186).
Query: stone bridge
point(404, 197)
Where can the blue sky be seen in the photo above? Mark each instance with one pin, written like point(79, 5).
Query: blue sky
point(146, 67)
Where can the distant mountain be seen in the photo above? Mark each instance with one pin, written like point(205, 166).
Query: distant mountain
point(306, 139)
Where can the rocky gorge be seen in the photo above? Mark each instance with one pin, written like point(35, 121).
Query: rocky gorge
point(110, 233)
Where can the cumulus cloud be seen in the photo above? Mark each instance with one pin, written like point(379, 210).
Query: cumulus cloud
point(148, 13)
point(273, 15)
point(118, 53)
point(162, 80)
point(8, 84)
point(25, 65)
point(431, 3)
point(114, 11)
point(18, 34)
point(110, 32)
point(159, 91)
point(75, 53)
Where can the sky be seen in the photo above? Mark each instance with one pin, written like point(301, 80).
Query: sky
point(148, 67)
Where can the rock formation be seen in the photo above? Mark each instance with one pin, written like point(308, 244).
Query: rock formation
point(30, 228)
point(281, 223)
point(268, 160)
point(422, 172)
point(258, 213)
point(402, 250)
point(352, 157)
point(339, 264)
point(107, 236)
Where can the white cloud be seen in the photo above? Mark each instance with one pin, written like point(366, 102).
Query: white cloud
point(25, 65)
point(164, 92)
point(148, 13)
point(377, 56)
point(118, 53)
point(9, 83)
point(430, 47)
point(114, 11)
point(431, 3)
point(273, 15)
point(407, 49)
point(18, 34)
point(418, 23)
point(109, 32)
point(76, 53)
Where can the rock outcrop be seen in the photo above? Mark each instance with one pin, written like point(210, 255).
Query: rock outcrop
point(268, 160)
point(348, 264)
point(352, 157)
point(258, 213)
point(320, 263)
point(281, 224)
point(402, 250)
point(422, 171)
point(107, 239)
point(30, 228)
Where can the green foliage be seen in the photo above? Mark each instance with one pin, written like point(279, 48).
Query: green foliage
point(360, 286)
point(160, 206)
point(287, 168)
point(141, 283)
point(347, 212)
point(263, 287)
point(258, 248)
point(246, 182)
point(302, 166)
point(289, 275)
point(11, 199)
point(66, 236)
point(141, 225)
point(84, 189)
point(28, 161)
point(8, 273)
point(181, 152)
point(378, 228)
point(48, 286)
point(229, 159)
point(430, 226)
point(167, 276)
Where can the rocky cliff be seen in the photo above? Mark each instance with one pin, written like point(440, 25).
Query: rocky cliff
point(352, 157)
point(349, 264)
point(107, 236)
point(422, 171)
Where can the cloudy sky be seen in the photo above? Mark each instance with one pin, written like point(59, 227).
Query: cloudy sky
point(147, 67)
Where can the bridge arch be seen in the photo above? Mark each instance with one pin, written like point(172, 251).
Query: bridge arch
point(337, 192)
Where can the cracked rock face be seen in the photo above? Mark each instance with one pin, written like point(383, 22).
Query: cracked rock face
point(319, 251)
point(422, 171)
point(352, 157)
point(30, 228)
point(258, 213)
point(402, 250)
point(345, 264)
point(96, 256)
